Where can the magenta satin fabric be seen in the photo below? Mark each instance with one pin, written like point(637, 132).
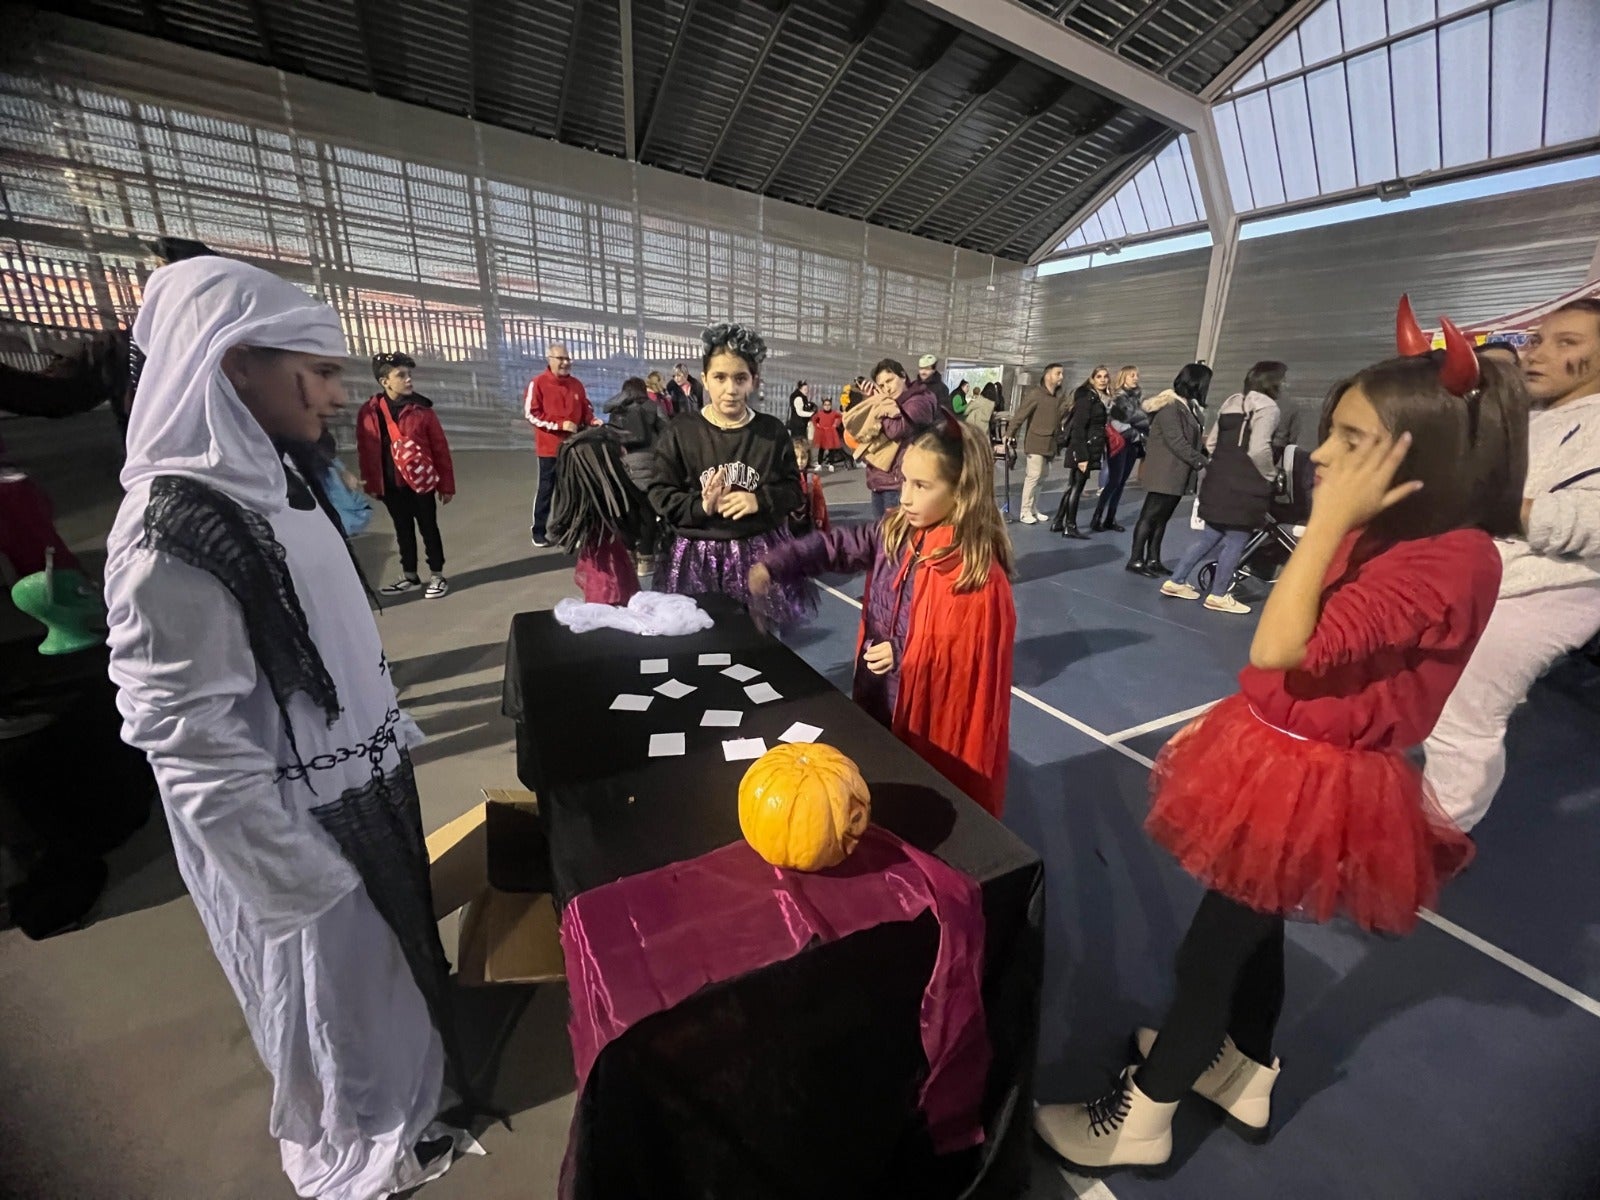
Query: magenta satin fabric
point(642, 944)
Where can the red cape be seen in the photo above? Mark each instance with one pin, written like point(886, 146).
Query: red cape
point(954, 704)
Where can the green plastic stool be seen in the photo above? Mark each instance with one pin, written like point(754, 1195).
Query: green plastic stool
point(65, 604)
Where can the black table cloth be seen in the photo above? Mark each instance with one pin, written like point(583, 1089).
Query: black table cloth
point(799, 1079)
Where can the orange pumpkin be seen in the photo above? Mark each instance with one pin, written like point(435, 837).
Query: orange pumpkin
point(804, 806)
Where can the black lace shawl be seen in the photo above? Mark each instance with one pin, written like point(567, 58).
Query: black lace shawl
point(201, 527)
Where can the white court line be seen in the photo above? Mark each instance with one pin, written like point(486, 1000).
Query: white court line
point(850, 600)
point(1085, 1188)
point(1465, 936)
point(1526, 969)
point(1123, 735)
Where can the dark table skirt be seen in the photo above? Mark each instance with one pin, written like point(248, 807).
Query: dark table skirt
point(799, 1079)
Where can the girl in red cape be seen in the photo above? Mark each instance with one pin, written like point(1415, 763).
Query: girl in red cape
point(934, 652)
point(1295, 797)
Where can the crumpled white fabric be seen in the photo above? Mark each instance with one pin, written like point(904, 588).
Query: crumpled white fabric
point(653, 614)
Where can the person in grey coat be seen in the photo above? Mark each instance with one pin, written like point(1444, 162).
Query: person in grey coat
point(1174, 456)
point(1040, 414)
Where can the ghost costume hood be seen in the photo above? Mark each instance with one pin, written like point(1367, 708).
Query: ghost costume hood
point(251, 674)
point(190, 422)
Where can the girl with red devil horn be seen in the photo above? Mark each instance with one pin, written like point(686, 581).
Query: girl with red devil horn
point(1294, 797)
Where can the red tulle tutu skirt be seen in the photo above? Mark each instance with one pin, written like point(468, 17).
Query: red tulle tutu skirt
point(1301, 827)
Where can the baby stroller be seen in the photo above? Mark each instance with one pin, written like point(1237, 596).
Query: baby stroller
point(1270, 546)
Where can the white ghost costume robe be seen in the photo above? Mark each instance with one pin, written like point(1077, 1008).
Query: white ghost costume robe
point(251, 673)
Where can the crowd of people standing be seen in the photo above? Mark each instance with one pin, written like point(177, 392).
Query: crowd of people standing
point(1451, 555)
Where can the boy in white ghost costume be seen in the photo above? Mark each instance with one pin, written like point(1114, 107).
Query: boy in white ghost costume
point(252, 675)
point(1549, 599)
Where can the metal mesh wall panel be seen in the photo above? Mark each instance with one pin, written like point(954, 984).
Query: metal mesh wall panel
point(1143, 313)
point(469, 246)
point(1323, 300)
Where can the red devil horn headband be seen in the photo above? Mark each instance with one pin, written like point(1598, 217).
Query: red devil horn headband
point(1409, 339)
point(1459, 372)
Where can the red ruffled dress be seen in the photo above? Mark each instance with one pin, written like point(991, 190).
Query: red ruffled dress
point(1295, 796)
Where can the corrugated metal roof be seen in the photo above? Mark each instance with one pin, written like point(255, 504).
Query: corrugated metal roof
point(1189, 42)
point(878, 111)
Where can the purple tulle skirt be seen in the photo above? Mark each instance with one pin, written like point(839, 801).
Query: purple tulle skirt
point(701, 566)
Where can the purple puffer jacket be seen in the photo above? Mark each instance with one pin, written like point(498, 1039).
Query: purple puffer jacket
point(919, 408)
point(886, 615)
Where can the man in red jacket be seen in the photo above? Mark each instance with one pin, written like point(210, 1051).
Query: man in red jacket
point(557, 407)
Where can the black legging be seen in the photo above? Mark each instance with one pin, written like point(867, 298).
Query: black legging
point(1152, 526)
point(1229, 981)
point(1067, 510)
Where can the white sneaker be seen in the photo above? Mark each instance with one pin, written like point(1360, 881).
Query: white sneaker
point(406, 583)
point(1123, 1128)
point(1179, 591)
point(437, 586)
point(1029, 519)
point(1226, 604)
point(1235, 1083)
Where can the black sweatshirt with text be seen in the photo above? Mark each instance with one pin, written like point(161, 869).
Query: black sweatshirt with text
point(757, 458)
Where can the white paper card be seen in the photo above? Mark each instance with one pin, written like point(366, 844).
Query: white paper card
point(742, 673)
point(674, 689)
point(721, 716)
point(762, 693)
point(715, 660)
point(627, 703)
point(800, 732)
point(666, 745)
point(741, 749)
point(653, 666)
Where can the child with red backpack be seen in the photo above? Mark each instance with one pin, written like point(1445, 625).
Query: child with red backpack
point(405, 462)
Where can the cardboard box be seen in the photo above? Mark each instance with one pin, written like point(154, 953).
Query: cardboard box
point(504, 937)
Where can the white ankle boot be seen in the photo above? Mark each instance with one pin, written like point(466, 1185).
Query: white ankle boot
point(1124, 1128)
point(1237, 1084)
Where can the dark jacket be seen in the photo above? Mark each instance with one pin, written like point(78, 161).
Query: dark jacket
point(1238, 487)
point(801, 410)
point(1085, 429)
point(936, 384)
point(919, 408)
point(1174, 453)
point(1041, 412)
point(690, 399)
point(637, 420)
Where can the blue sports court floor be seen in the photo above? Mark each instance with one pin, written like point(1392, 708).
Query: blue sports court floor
point(1458, 1062)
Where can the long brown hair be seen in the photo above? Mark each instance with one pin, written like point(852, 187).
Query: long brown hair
point(1470, 454)
point(966, 463)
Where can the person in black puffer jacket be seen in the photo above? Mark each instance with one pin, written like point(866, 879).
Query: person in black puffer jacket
point(1128, 418)
point(1083, 436)
point(639, 421)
